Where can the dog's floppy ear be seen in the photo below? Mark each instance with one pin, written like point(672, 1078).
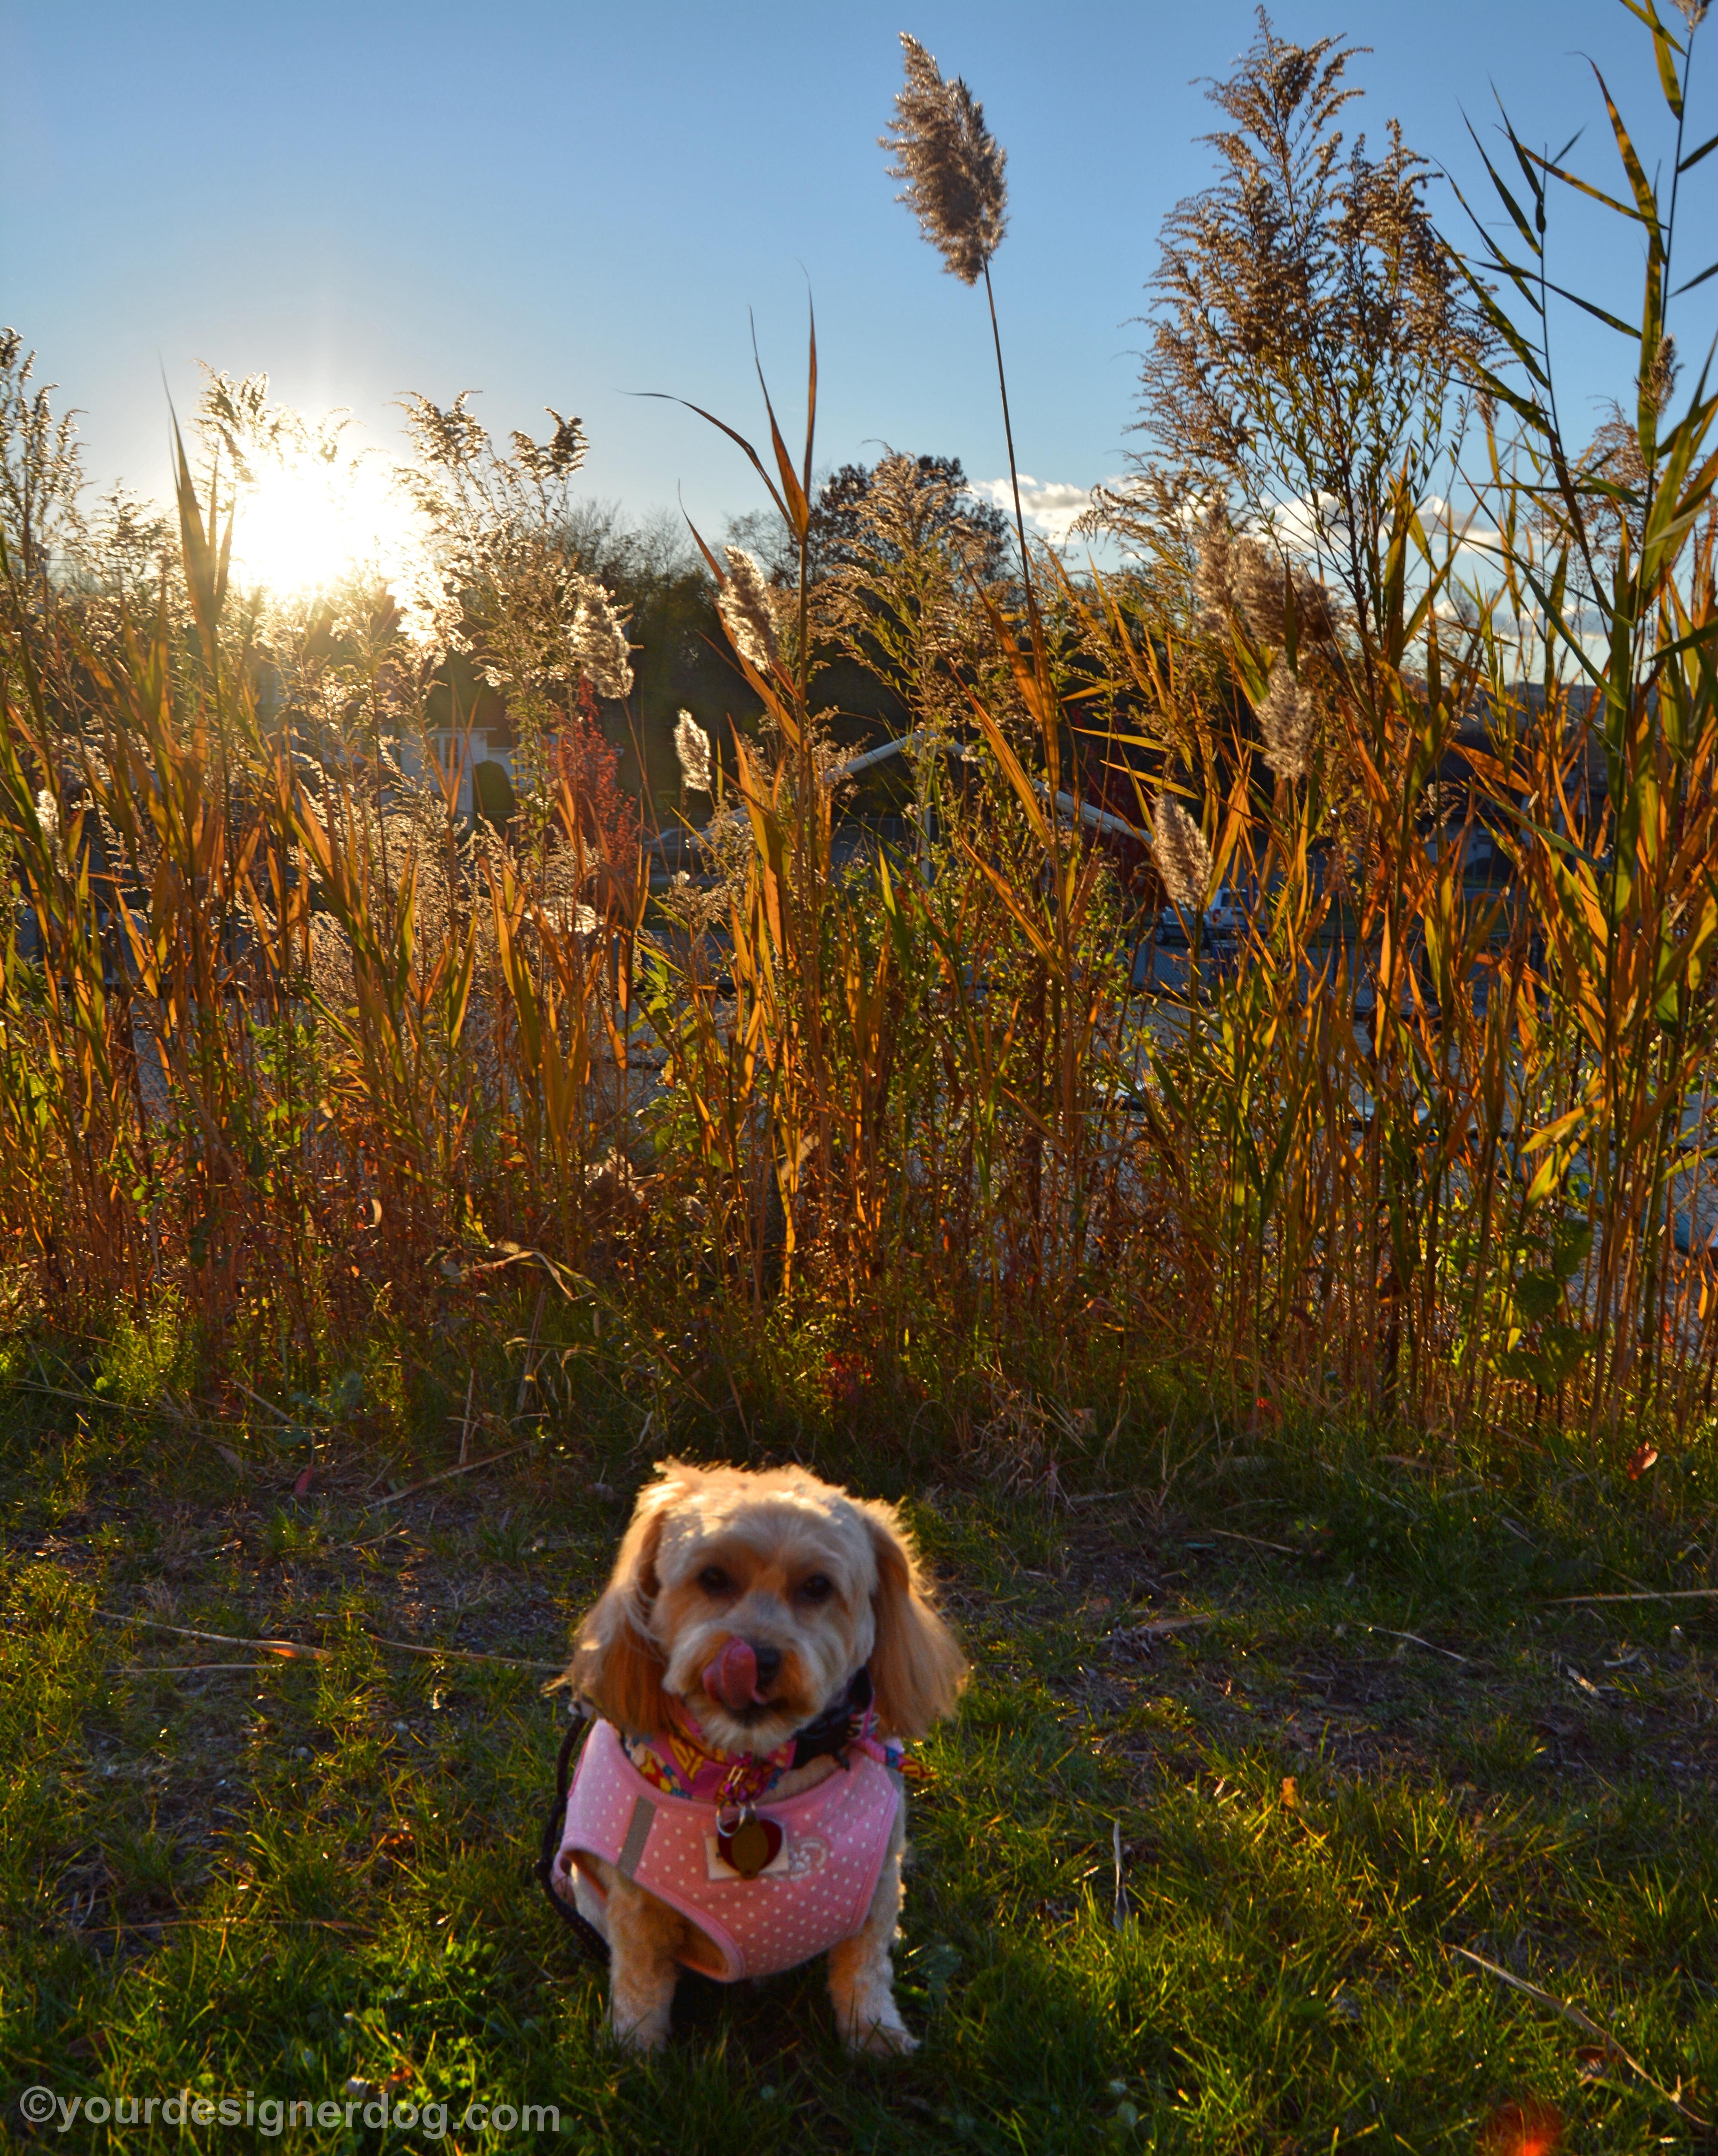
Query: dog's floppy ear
point(616, 1664)
point(917, 1670)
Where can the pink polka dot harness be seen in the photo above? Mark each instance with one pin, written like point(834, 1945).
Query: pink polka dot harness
point(815, 1893)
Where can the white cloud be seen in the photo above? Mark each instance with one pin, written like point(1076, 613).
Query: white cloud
point(1298, 522)
point(1050, 507)
point(1439, 517)
point(1301, 523)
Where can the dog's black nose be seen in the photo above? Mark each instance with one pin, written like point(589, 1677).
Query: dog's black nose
point(769, 1662)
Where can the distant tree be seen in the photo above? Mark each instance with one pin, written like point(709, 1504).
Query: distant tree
point(846, 530)
point(681, 657)
point(848, 517)
point(901, 546)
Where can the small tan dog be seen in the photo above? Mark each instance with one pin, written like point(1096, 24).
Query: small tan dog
point(765, 1645)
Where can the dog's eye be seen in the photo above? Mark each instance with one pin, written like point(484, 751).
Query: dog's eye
point(818, 1588)
point(713, 1580)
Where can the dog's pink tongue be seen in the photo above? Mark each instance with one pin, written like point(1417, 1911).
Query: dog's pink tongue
point(732, 1676)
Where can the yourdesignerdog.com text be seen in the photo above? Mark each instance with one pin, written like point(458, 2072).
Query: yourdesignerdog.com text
point(45, 2109)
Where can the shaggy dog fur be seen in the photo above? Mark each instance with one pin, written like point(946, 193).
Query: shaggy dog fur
point(796, 1568)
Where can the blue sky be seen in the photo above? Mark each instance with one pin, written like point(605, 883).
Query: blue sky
point(560, 204)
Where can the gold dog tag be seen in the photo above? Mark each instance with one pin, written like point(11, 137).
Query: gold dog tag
point(752, 1845)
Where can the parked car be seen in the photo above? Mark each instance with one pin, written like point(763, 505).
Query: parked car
point(1225, 917)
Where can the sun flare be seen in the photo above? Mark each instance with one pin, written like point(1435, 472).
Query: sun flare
point(302, 526)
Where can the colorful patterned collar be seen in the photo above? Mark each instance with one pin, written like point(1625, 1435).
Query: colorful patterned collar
point(681, 1761)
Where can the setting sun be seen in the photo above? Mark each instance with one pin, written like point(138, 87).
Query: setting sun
point(302, 525)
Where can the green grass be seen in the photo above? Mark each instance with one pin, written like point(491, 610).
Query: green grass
point(282, 1883)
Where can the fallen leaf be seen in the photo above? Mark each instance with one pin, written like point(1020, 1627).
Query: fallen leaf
point(1532, 2128)
point(1590, 2062)
point(1638, 1463)
point(301, 1488)
point(1290, 1797)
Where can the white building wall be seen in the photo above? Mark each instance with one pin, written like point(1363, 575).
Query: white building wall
point(454, 751)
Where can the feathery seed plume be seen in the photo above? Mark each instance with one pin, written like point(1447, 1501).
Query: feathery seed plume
point(47, 814)
point(1261, 585)
point(1661, 380)
point(747, 615)
point(1313, 610)
point(331, 968)
point(600, 643)
point(1694, 12)
point(1210, 583)
point(952, 165)
point(1259, 579)
point(1182, 857)
point(692, 747)
point(1286, 715)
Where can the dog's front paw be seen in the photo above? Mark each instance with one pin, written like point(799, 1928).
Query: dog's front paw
point(641, 2028)
point(649, 2033)
point(879, 2033)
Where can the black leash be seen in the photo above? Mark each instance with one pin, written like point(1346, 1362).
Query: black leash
point(592, 1944)
point(832, 1732)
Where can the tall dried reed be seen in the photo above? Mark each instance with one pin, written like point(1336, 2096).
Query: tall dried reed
point(280, 1039)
